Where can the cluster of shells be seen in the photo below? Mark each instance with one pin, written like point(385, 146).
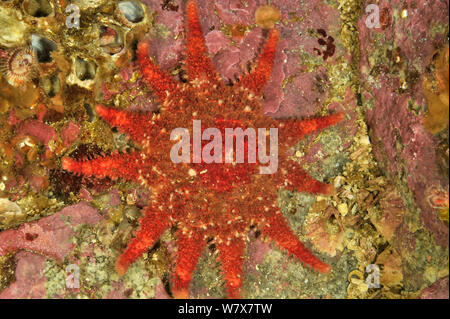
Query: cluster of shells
point(55, 54)
point(68, 43)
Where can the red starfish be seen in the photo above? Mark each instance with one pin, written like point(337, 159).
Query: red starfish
point(207, 203)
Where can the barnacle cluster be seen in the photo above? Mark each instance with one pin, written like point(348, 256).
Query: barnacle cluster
point(54, 55)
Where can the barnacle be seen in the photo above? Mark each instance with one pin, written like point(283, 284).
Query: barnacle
point(18, 66)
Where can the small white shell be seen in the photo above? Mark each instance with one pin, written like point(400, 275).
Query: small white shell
point(10, 212)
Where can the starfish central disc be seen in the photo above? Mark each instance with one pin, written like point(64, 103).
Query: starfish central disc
point(208, 201)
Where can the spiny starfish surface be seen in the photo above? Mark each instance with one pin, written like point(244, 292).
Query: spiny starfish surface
point(207, 203)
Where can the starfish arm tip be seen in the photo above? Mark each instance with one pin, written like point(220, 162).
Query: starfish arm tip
point(191, 3)
point(142, 49)
point(66, 163)
point(338, 117)
point(323, 268)
point(274, 32)
point(101, 110)
point(72, 165)
point(329, 189)
point(121, 268)
point(180, 293)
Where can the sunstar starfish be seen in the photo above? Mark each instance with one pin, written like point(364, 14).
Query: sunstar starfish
point(207, 203)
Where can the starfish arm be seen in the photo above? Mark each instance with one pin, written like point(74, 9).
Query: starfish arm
point(279, 231)
point(152, 226)
point(190, 248)
point(161, 83)
point(232, 259)
point(114, 166)
point(296, 179)
point(197, 62)
point(258, 78)
point(294, 129)
point(131, 123)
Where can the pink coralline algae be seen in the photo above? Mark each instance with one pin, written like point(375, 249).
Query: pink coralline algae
point(30, 282)
point(32, 147)
point(70, 133)
point(41, 131)
point(438, 290)
point(49, 236)
point(393, 81)
point(34, 242)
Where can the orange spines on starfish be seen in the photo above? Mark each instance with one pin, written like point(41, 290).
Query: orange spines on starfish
point(190, 247)
point(161, 83)
point(296, 179)
point(257, 79)
point(278, 230)
point(231, 255)
point(152, 226)
point(127, 122)
point(294, 129)
point(197, 62)
point(114, 166)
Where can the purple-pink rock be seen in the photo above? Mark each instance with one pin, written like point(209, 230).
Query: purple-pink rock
point(438, 290)
point(70, 133)
point(394, 60)
point(404, 148)
point(49, 236)
point(30, 280)
point(39, 130)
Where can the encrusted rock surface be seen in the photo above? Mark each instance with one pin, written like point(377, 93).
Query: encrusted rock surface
point(395, 60)
point(389, 170)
